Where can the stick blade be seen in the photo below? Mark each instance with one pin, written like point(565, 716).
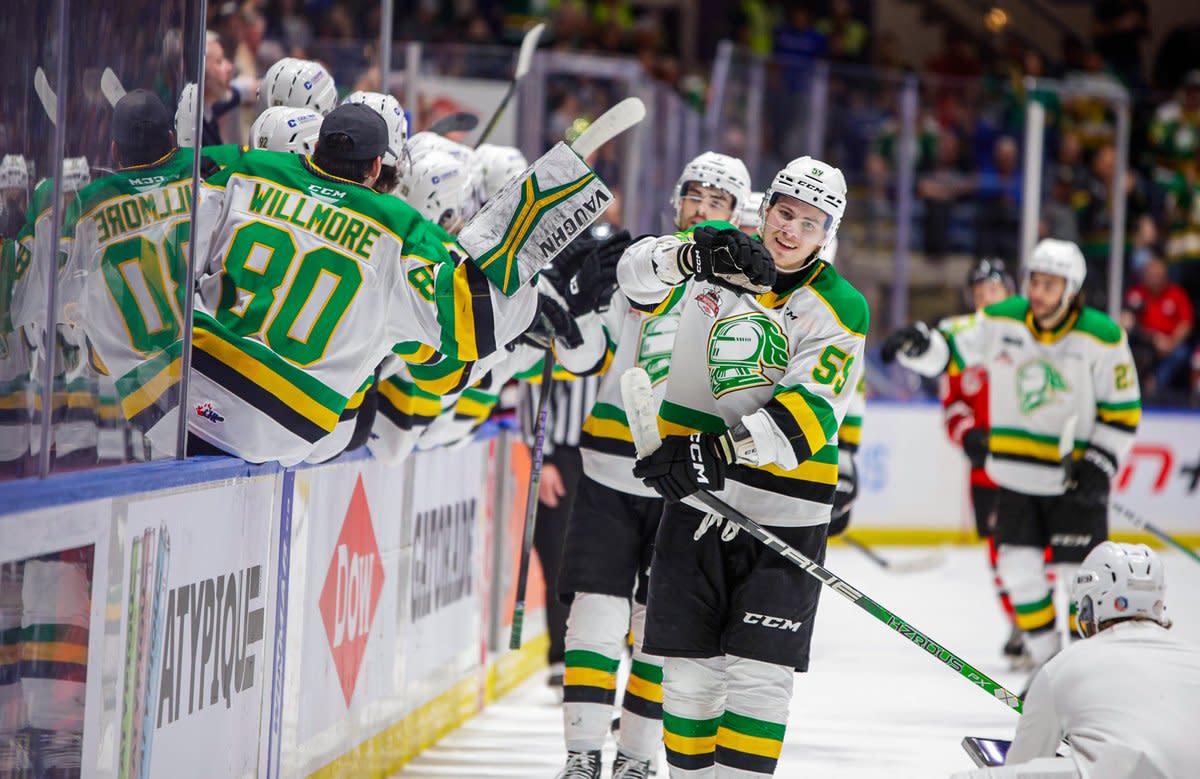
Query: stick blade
point(111, 86)
point(529, 45)
point(638, 396)
point(609, 125)
point(49, 101)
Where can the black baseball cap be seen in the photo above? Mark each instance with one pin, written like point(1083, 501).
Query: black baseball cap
point(355, 133)
point(142, 127)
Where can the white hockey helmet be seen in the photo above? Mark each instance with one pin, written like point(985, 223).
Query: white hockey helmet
point(393, 114)
point(829, 250)
point(76, 174)
point(814, 182)
point(747, 216)
point(299, 84)
point(1058, 258)
point(281, 128)
point(497, 166)
point(438, 185)
point(185, 118)
point(14, 173)
point(720, 171)
point(1118, 581)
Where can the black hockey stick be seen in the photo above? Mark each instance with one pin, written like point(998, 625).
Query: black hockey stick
point(925, 563)
point(531, 501)
point(461, 122)
point(524, 58)
point(1138, 521)
point(643, 424)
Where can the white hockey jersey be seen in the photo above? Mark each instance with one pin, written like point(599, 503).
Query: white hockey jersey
point(1051, 394)
point(785, 363)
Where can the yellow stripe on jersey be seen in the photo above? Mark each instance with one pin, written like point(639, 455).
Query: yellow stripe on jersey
point(473, 408)
point(150, 391)
point(1127, 417)
point(609, 428)
point(809, 470)
point(1025, 447)
point(805, 417)
point(413, 405)
point(850, 433)
point(264, 377)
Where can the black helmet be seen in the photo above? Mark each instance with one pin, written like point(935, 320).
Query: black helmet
point(990, 269)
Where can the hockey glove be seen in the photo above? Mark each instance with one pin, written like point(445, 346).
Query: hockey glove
point(729, 258)
point(1092, 479)
point(550, 322)
point(844, 494)
point(913, 340)
point(975, 446)
point(592, 287)
point(684, 465)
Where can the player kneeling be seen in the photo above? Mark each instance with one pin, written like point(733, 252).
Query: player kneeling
point(766, 359)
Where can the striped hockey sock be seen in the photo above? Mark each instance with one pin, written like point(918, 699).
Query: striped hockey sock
point(748, 745)
point(641, 706)
point(594, 642)
point(693, 702)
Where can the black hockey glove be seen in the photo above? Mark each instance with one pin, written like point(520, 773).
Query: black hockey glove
point(550, 322)
point(592, 287)
point(975, 446)
point(685, 464)
point(912, 339)
point(729, 258)
point(568, 262)
point(844, 494)
point(1092, 479)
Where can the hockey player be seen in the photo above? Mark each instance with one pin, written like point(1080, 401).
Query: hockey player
point(1064, 405)
point(397, 123)
point(767, 355)
point(965, 412)
point(497, 166)
point(281, 128)
point(610, 534)
point(309, 233)
point(298, 83)
point(1125, 698)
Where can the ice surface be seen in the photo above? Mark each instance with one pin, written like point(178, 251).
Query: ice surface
point(873, 704)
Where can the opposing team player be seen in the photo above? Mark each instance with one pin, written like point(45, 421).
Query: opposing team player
point(767, 356)
point(1064, 405)
point(305, 277)
point(610, 535)
point(1125, 698)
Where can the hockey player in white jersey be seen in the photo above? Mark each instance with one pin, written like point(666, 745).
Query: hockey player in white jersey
point(610, 534)
point(1064, 406)
point(283, 128)
point(766, 361)
point(497, 166)
point(397, 123)
point(1125, 698)
point(298, 83)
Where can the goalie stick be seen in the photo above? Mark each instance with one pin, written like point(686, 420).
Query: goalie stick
point(915, 565)
point(524, 58)
point(531, 501)
point(643, 424)
point(111, 86)
point(1138, 521)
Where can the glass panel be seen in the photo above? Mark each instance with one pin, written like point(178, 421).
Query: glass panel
point(125, 233)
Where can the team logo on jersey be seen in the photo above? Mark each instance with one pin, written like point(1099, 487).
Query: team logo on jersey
point(1038, 384)
point(655, 345)
point(740, 351)
point(709, 302)
point(207, 411)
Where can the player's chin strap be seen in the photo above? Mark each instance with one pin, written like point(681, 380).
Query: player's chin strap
point(638, 396)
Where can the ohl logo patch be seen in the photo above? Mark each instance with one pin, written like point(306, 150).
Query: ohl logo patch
point(352, 588)
point(740, 351)
point(1038, 384)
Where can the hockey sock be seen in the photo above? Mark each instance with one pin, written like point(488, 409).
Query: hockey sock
point(1022, 570)
point(641, 706)
point(595, 638)
point(1001, 593)
point(756, 709)
point(693, 702)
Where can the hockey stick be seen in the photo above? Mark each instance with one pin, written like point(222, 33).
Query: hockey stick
point(609, 125)
point(531, 501)
point(643, 424)
point(461, 122)
point(1138, 521)
point(915, 565)
point(46, 95)
point(524, 58)
point(111, 86)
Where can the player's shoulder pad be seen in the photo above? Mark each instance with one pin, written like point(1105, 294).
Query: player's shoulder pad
point(1099, 325)
point(846, 303)
point(716, 224)
point(1013, 307)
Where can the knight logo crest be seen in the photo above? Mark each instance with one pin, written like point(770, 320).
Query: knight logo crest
point(1038, 384)
point(740, 351)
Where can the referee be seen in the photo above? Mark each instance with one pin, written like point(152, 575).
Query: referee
point(568, 407)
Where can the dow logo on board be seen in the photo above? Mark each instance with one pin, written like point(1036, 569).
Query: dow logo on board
point(351, 591)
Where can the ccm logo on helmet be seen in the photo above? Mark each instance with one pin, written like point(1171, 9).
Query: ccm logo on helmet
point(697, 455)
point(767, 621)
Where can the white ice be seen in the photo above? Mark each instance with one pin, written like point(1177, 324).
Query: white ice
point(872, 705)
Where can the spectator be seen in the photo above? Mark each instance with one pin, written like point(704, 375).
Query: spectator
point(998, 222)
point(1058, 212)
point(940, 189)
point(1163, 318)
point(1183, 228)
point(1118, 27)
point(219, 99)
point(1175, 131)
point(1095, 220)
point(846, 35)
point(799, 43)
